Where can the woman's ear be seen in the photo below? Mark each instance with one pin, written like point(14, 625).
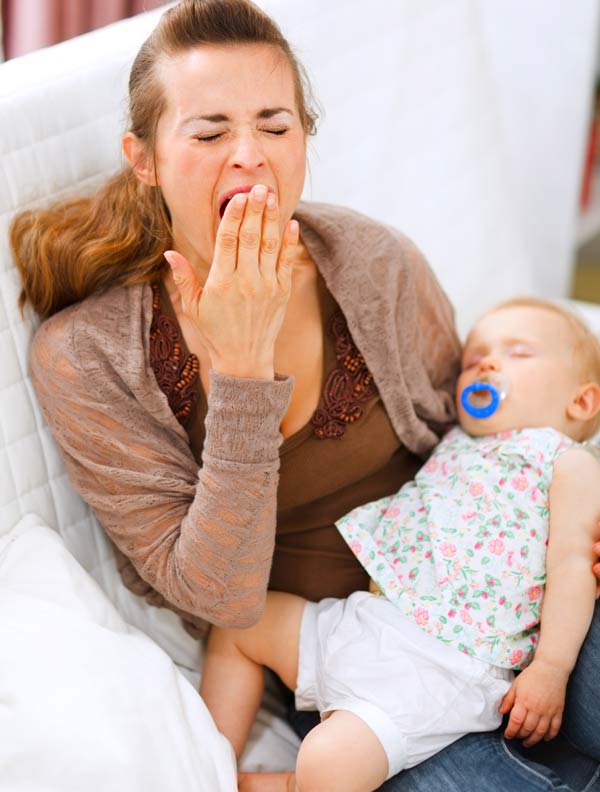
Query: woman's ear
point(142, 163)
point(585, 402)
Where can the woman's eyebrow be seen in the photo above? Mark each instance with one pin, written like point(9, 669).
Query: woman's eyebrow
point(219, 118)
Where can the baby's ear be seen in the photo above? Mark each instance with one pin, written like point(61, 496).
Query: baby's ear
point(585, 402)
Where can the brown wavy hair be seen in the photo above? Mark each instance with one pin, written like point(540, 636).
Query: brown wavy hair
point(117, 237)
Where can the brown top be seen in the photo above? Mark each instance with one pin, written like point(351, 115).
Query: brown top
point(346, 455)
point(201, 539)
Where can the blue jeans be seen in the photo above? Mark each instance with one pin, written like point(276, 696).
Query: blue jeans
point(486, 762)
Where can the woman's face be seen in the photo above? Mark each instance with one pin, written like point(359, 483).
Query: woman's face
point(231, 121)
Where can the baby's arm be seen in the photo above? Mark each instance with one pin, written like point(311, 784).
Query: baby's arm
point(537, 695)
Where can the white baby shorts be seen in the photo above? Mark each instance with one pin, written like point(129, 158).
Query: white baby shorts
point(418, 695)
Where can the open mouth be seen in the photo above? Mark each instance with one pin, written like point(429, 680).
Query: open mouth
point(223, 207)
point(236, 191)
point(229, 195)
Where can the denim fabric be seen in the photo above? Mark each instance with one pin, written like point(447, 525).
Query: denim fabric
point(488, 763)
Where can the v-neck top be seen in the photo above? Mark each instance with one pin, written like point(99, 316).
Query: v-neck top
point(345, 455)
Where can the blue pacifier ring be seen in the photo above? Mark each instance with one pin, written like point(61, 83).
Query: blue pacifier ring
point(479, 387)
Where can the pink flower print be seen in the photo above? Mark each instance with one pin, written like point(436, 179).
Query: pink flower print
point(421, 616)
point(478, 546)
point(496, 546)
point(490, 582)
point(392, 512)
point(502, 482)
point(431, 465)
point(469, 515)
point(515, 657)
point(447, 549)
point(535, 592)
point(476, 489)
point(428, 554)
point(356, 547)
point(509, 559)
point(502, 600)
point(451, 613)
point(519, 483)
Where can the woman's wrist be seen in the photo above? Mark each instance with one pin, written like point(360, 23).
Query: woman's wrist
point(244, 417)
point(244, 369)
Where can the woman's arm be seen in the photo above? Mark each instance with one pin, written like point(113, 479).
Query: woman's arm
point(538, 694)
point(202, 538)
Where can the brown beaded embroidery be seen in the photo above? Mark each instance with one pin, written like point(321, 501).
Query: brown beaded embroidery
point(175, 372)
point(349, 385)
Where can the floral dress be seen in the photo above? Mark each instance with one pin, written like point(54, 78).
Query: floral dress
point(461, 550)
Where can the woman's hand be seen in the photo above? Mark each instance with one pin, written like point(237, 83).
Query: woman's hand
point(239, 310)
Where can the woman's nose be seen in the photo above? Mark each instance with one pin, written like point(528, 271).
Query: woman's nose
point(247, 152)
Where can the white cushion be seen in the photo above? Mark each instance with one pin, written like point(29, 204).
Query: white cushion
point(89, 702)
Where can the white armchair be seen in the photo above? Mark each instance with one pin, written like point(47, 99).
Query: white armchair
point(416, 133)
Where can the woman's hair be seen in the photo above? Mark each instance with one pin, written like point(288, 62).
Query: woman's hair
point(117, 236)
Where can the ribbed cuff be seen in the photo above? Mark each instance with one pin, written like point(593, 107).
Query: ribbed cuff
point(244, 416)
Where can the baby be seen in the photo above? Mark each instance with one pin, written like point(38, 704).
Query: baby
point(502, 516)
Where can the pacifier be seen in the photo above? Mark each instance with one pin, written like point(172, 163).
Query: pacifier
point(482, 398)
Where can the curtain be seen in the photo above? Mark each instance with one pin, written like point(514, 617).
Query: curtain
point(30, 24)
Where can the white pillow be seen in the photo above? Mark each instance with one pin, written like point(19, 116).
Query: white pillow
point(86, 701)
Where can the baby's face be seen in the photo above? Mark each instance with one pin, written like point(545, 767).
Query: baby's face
point(533, 349)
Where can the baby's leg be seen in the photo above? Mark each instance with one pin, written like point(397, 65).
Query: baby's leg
point(341, 754)
point(232, 679)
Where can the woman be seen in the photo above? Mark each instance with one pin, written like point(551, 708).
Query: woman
point(214, 475)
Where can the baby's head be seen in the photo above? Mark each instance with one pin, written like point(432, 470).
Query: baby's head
point(550, 360)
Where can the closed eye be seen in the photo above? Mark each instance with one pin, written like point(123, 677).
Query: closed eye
point(276, 131)
point(470, 362)
point(521, 352)
point(208, 138)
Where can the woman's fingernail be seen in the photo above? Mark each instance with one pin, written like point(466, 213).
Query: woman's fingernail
point(271, 200)
point(260, 191)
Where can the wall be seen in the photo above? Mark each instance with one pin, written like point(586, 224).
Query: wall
point(461, 123)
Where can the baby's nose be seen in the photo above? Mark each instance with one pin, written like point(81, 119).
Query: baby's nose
point(489, 363)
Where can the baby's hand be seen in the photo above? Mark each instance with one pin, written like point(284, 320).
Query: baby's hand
point(535, 701)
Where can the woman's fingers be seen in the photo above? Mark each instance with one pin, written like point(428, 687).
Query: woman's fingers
point(250, 233)
point(269, 245)
point(226, 245)
point(285, 265)
point(186, 282)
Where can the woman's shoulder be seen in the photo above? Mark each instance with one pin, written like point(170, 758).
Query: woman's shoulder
point(338, 238)
point(333, 220)
point(105, 325)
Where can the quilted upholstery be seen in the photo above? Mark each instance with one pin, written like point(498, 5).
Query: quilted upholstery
point(44, 155)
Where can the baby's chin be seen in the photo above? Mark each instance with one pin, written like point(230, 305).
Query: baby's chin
point(480, 427)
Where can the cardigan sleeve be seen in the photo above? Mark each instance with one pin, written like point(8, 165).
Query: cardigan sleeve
point(202, 538)
point(438, 345)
